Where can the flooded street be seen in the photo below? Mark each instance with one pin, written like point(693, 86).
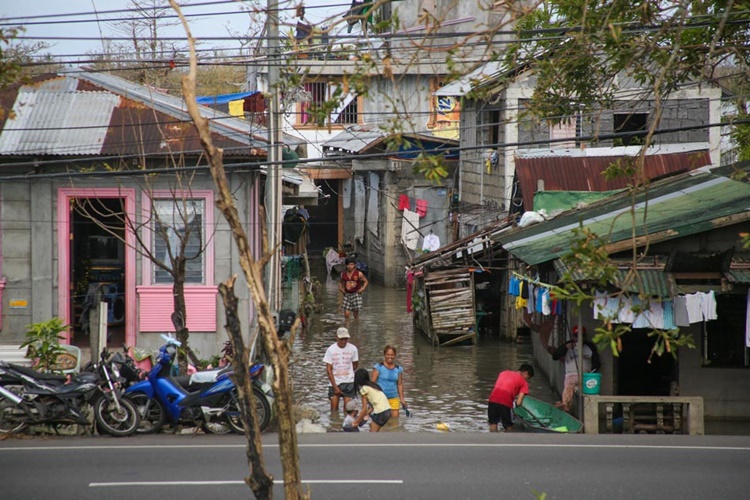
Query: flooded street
point(442, 385)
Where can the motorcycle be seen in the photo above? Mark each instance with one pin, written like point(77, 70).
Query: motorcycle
point(29, 397)
point(208, 398)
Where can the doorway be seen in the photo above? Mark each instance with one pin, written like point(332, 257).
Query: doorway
point(97, 267)
point(323, 223)
point(639, 377)
point(96, 259)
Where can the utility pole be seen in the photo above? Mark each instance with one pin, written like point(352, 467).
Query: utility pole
point(273, 179)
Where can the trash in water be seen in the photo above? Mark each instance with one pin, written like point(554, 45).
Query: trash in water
point(443, 426)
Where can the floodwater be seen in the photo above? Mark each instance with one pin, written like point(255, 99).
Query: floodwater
point(442, 385)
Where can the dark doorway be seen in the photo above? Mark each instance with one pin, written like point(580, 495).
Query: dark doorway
point(97, 267)
point(324, 218)
point(636, 375)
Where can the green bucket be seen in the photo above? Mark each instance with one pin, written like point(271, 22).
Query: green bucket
point(592, 383)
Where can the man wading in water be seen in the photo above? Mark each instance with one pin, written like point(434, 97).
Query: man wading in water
point(353, 283)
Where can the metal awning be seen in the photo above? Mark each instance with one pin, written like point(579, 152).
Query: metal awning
point(690, 203)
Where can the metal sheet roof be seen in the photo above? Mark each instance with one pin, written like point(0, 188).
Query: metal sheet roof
point(581, 170)
point(354, 139)
point(487, 73)
point(82, 113)
point(686, 204)
point(52, 123)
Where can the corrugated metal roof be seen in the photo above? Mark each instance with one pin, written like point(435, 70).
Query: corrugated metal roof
point(484, 74)
point(81, 113)
point(582, 170)
point(651, 282)
point(53, 123)
point(686, 204)
point(738, 276)
point(354, 139)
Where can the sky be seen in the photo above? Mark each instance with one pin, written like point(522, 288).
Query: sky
point(207, 18)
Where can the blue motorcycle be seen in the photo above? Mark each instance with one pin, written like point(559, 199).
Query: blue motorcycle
point(206, 398)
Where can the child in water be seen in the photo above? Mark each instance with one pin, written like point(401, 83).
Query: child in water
point(372, 393)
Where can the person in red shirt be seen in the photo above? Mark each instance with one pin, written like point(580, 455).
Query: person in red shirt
point(353, 282)
point(511, 386)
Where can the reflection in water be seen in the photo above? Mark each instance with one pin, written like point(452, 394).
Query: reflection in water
point(441, 385)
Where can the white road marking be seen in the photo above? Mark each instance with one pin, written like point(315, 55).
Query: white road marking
point(232, 483)
point(385, 445)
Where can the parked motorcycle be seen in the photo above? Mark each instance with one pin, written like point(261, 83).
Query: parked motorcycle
point(28, 397)
point(207, 398)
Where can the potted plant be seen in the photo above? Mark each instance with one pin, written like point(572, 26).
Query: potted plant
point(43, 343)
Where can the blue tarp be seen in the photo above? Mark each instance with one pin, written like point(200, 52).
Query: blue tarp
point(223, 98)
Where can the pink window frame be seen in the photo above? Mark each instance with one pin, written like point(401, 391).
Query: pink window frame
point(156, 298)
point(64, 196)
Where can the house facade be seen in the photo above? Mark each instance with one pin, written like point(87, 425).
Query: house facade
point(688, 234)
point(100, 176)
point(495, 127)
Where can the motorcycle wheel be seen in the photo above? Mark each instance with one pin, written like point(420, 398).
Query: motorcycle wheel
point(11, 416)
point(262, 412)
point(152, 412)
point(118, 423)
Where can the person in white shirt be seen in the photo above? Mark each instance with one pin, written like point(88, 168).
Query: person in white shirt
point(341, 359)
point(568, 353)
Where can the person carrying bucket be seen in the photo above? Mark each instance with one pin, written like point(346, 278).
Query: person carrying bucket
point(568, 354)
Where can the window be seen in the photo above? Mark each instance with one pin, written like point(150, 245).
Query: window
point(347, 110)
point(724, 340)
point(435, 102)
point(632, 126)
point(567, 129)
point(178, 223)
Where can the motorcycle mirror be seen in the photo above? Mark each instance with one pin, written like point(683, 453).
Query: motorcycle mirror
point(171, 340)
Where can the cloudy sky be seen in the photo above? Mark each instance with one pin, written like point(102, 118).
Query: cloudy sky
point(85, 19)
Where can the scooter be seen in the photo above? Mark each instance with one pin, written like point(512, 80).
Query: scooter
point(208, 398)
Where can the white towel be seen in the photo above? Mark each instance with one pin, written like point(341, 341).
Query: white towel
point(410, 235)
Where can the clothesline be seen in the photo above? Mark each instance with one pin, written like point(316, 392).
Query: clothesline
point(536, 282)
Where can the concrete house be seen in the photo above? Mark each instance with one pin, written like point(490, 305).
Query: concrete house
point(82, 150)
point(494, 130)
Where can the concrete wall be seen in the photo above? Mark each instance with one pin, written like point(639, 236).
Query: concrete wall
point(29, 255)
point(17, 260)
point(384, 253)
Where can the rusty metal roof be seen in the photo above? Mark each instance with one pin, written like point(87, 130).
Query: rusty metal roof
point(581, 170)
point(84, 113)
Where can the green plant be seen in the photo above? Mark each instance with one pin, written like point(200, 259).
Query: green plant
point(43, 343)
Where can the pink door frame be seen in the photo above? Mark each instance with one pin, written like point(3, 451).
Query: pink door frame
point(64, 197)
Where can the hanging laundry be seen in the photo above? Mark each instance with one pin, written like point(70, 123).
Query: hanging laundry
point(409, 287)
point(431, 242)
point(694, 303)
point(403, 202)
point(546, 309)
point(422, 207)
point(513, 286)
point(409, 233)
point(626, 314)
point(679, 305)
point(669, 315)
point(708, 306)
point(532, 297)
point(523, 294)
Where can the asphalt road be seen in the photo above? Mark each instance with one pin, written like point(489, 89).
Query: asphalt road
point(379, 466)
